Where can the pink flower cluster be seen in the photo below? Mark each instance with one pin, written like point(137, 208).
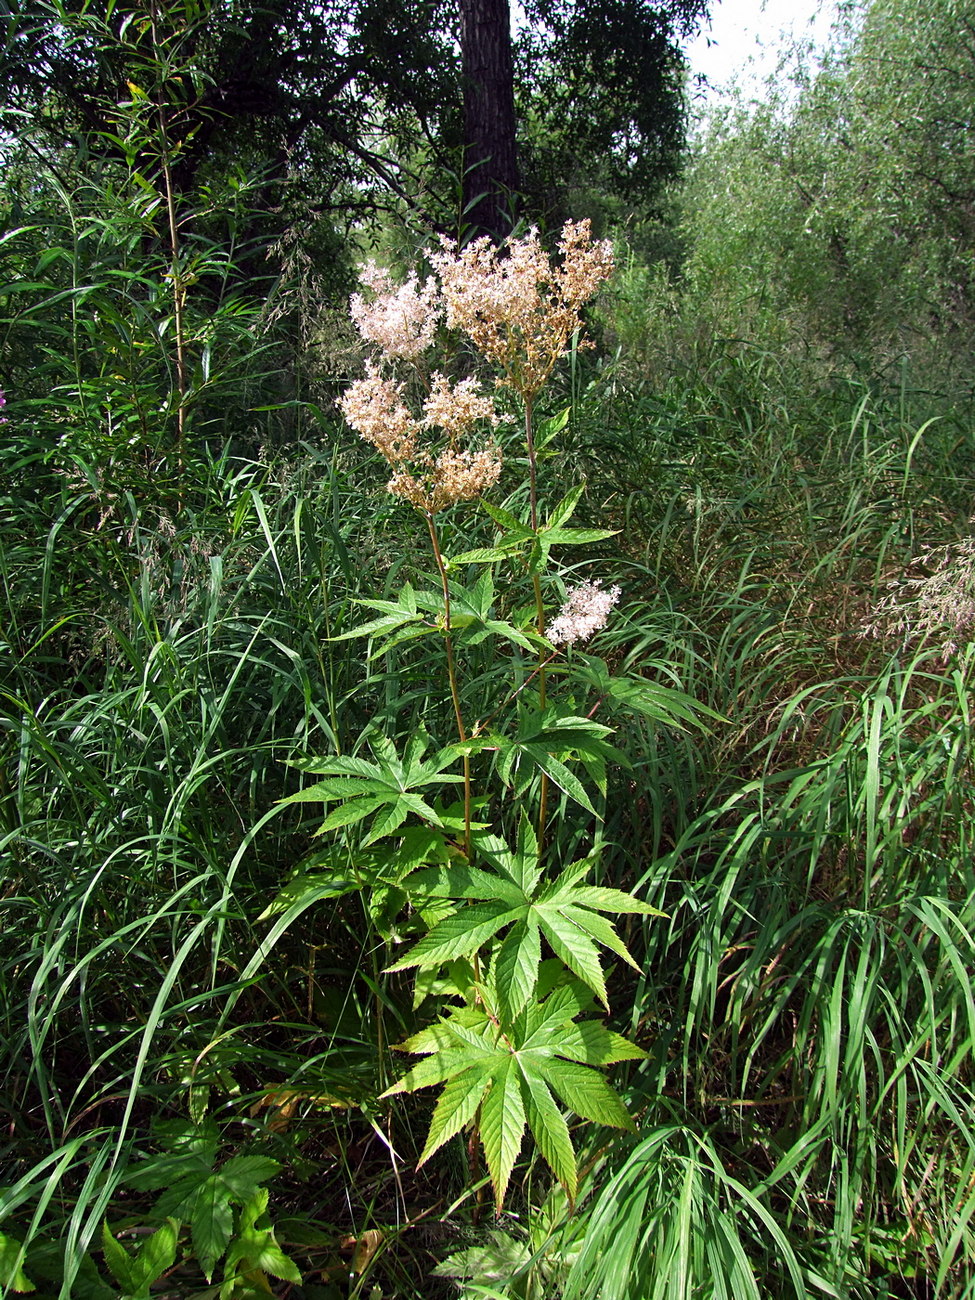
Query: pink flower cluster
point(585, 612)
point(400, 321)
point(518, 309)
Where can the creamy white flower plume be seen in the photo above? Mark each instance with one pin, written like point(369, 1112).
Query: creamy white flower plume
point(400, 321)
point(584, 613)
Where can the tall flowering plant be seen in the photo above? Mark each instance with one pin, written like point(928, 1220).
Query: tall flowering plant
point(512, 936)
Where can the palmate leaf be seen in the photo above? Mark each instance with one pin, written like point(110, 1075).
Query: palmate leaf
point(386, 789)
point(547, 741)
point(509, 898)
point(506, 1074)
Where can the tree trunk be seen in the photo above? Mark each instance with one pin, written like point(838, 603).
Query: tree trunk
point(490, 165)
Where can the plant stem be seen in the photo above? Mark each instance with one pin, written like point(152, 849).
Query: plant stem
point(452, 674)
point(539, 606)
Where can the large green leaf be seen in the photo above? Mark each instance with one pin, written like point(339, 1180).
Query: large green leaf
point(514, 897)
point(12, 1274)
point(502, 1071)
point(503, 1123)
point(385, 789)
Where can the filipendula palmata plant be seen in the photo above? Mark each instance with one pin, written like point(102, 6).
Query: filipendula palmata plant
point(486, 874)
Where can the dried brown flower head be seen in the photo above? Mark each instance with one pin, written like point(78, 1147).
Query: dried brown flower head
point(430, 480)
point(518, 309)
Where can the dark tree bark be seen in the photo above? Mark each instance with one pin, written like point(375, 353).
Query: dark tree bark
point(490, 161)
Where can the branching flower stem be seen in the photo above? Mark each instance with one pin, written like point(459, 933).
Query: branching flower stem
point(452, 674)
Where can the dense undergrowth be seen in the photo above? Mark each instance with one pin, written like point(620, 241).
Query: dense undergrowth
point(805, 1110)
point(199, 1026)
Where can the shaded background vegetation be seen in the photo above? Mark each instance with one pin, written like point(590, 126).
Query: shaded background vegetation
point(778, 420)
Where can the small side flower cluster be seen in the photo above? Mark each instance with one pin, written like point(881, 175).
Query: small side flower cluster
point(516, 307)
point(3, 403)
point(585, 612)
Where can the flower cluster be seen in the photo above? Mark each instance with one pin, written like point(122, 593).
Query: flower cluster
point(584, 613)
point(448, 478)
point(400, 321)
point(516, 307)
point(376, 408)
point(3, 403)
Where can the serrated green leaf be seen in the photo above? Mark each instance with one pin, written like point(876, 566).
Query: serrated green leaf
point(459, 935)
point(551, 1132)
point(255, 1250)
point(440, 1067)
point(506, 521)
point(304, 891)
point(443, 1034)
point(586, 1092)
point(559, 775)
point(481, 555)
point(566, 507)
point(516, 966)
point(385, 623)
point(211, 1223)
point(462, 881)
point(243, 1174)
point(598, 928)
point(352, 811)
point(503, 1125)
point(573, 947)
point(578, 536)
point(612, 900)
point(591, 1043)
point(457, 1106)
point(12, 1274)
point(388, 820)
point(157, 1254)
point(117, 1260)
